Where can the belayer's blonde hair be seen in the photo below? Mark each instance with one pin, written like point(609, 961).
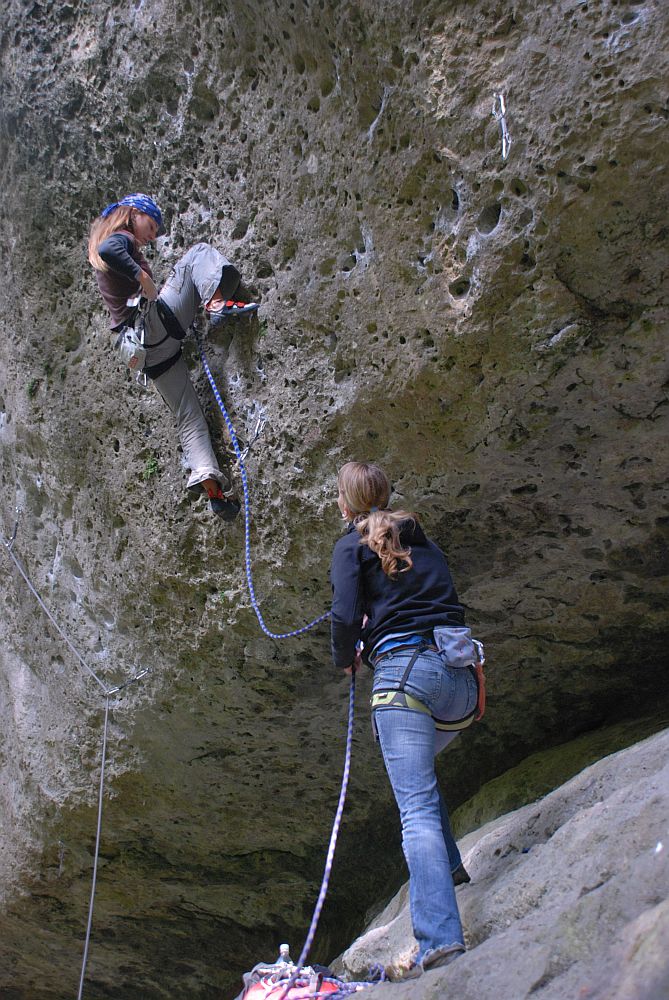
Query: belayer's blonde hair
point(365, 491)
point(101, 228)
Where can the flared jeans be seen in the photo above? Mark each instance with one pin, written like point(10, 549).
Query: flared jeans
point(409, 742)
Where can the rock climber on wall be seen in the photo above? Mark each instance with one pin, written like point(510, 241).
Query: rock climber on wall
point(202, 276)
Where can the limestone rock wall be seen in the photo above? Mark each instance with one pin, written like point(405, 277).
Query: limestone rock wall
point(489, 330)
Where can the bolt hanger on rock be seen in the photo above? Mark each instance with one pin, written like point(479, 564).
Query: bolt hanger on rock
point(499, 113)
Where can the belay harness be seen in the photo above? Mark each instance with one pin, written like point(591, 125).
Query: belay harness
point(398, 697)
point(131, 344)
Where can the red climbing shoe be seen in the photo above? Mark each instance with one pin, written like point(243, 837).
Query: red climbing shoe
point(230, 308)
point(223, 504)
point(224, 507)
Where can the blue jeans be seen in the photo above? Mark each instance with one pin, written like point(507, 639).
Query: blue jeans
point(409, 741)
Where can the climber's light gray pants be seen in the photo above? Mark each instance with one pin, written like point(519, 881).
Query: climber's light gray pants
point(193, 281)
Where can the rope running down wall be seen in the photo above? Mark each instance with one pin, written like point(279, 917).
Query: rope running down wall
point(108, 692)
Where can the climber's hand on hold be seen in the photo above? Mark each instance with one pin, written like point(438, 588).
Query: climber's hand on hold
point(149, 290)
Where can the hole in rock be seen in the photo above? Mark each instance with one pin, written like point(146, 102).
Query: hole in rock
point(459, 288)
point(489, 218)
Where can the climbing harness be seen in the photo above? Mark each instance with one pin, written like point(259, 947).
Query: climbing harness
point(108, 692)
point(131, 340)
point(398, 698)
point(247, 509)
point(499, 113)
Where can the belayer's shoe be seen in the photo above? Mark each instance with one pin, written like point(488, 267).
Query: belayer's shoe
point(460, 875)
point(231, 308)
point(435, 959)
point(440, 957)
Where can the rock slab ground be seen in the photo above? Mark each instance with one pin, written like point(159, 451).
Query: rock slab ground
point(568, 899)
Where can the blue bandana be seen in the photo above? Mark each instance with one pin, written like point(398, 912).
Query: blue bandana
point(142, 203)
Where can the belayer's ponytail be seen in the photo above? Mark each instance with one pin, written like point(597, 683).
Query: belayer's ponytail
point(366, 492)
point(381, 531)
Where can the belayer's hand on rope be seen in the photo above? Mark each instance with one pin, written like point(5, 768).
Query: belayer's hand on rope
point(356, 665)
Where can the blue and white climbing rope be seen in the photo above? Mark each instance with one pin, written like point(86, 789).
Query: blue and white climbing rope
point(333, 841)
point(247, 510)
point(285, 635)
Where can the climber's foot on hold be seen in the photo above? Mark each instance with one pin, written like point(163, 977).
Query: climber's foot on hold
point(219, 309)
point(224, 506)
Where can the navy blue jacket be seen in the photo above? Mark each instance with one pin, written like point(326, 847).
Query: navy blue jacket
point(415, 601)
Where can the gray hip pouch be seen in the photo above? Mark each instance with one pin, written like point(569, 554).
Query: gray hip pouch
point(457, 646)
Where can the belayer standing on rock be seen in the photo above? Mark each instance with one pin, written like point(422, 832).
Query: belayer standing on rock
point(392, 589)
point(150, 338)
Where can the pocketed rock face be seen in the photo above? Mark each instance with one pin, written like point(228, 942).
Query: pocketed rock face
point(489, 330)
point(568, 896)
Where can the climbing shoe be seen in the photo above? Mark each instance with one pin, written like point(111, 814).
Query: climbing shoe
point(460, 875)
point(224, 508)
point(222, 504)
point(440, 957)
point(435, 959)
point(230, 308)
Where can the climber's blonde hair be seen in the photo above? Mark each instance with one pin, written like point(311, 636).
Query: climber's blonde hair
point(119, 218)
point(364, 486)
